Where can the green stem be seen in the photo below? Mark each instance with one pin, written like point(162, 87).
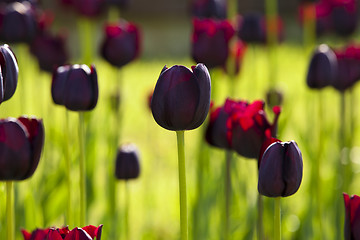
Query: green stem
point(228, 157)
point(277, 219)
point(260, 232)
point(10, 210)
point(113, 14)
point(309, 26)
point(85, 30)
point(68, 170)
point(127, 206)
point(317, 163)
point(182, 186)
point(82, 171)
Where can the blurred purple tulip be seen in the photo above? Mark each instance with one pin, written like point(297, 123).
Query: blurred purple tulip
point(127, 162)
point(322, 70)
point(17, 23)
point(21, 143)
point(75, 87)
point(9, 73)
point(49, 50)
point(181, 98)
point(210, 41)
point(249, 128)
point(89, 8)
point(121, 44)
point(352, 217)
point(281, 169)
point(209, 9)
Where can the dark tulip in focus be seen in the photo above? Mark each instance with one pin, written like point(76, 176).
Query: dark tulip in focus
point(21, 143)
point(210, 41)
point(209, 9)
point(127, 162)
point(249, 128)
point(352, 217)
point(17, 23)
point(281, 169)
point(322, 70)
point(86, 233)
point(9, 73)
point(75, 87)
point(49, 50)
point(121, 44)
point(181, 98)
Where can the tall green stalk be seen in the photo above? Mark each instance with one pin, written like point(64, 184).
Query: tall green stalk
point(182, 186)
point(309, 30)
point(82, 170)
point(10, 219)
point(127, 206)
point(85, 30)
point(271, 9)
point(228, 158)
point(259, 229)
point(69, 219)
point(277, 219)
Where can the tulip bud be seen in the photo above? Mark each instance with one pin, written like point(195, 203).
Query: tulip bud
point(281, 169)
point(181, 98)
point(323, 68)
point(18, 23)
point(75, 87)
point(274, 97)
point(210, 42)
point(121, 44)
point(127, 162)
point(209, 9)
point(49, 50)
point(352, 217)
point(9, 73)
point(21, 144)
point(251, 29)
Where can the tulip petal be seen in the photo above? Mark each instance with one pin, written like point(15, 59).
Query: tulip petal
point(292, 168)
point(35, 129)
point(53, 234)
point(58, 86)
point(9, 70)
point(78, 234)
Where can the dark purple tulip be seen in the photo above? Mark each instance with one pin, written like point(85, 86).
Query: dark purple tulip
point(249, 128)
point(49, 50)
point(344, 17)
point(18, 23)
point(348, 73)
point(352, 217)
point(322, 70)
point(251, 29)
point(218, 128)
point(21, 143)
point(75, 87)
point(210, 42)
point(121, 44)
point(89, 8)
point(209, 9)
point(127, 162)
point(9, 73)
point(181, 98)
point(281, 170)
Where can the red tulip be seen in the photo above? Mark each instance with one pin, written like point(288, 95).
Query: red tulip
point(352, 217)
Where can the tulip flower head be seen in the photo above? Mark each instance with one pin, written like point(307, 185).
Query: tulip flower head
point(323, 68)
point(127, 162)
point(249, 127)
point(281, 169)
point(209, 9)
point(9, 73)
point(21, 143)
point(352, 217)
point(18, 23)
point(75, 87)
point(86, 233)
point(210, 42)
point(181, 98)
point(121, 44)
point(348, 72)
point(49, 50)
